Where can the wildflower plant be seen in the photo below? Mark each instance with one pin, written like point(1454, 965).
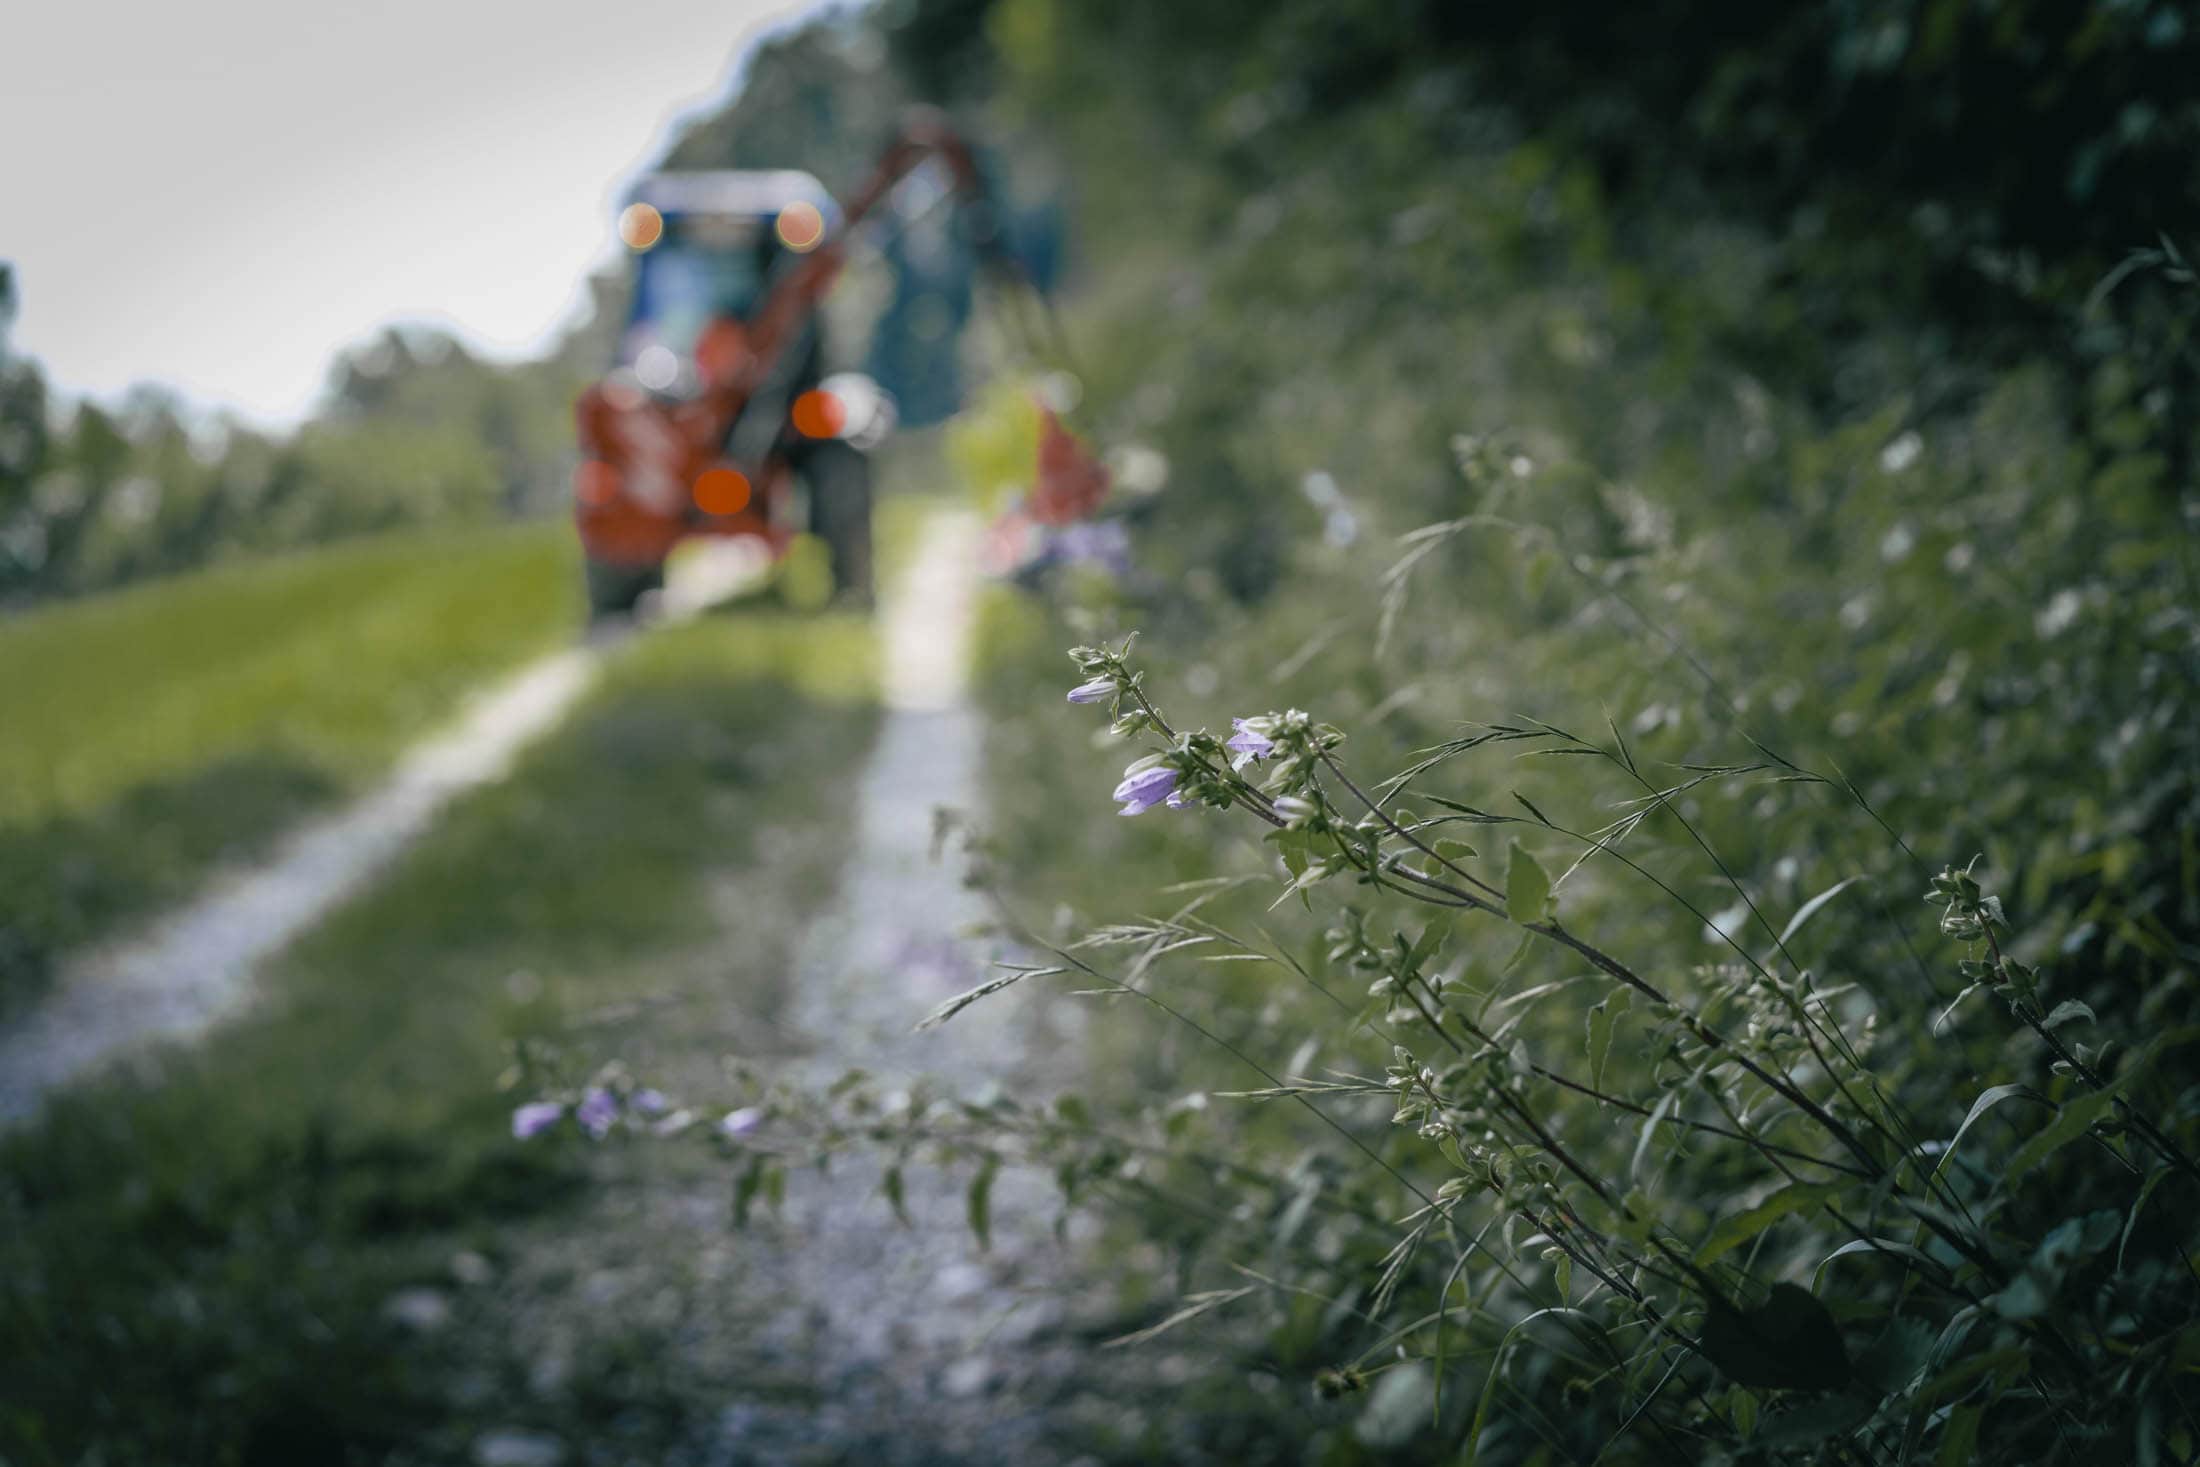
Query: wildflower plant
point(1882, 1286)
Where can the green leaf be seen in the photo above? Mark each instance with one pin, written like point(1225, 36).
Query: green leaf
point(895, 1196)
point(1986, 1102)
point(1871, 1245)
point(1585, 1325)
point(1789, 1342)
point(1810, 908)
point(2068, 1009)
point(1455, 850)
point(980, 1200)
point(1431, 939)
point(1527, 887)
point(1602, 1016)
point(1959, 1438)
point(1664, 1107)
point(1742, 1406)
point(1891, 1362)
point(1732, 1232)
point(2146, 1190)
point(745, 1189)
point(2027, 1297)
point(2074, 1120)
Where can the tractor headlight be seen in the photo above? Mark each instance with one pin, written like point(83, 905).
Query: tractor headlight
point(848, 406)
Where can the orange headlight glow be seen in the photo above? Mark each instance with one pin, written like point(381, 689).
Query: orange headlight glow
point(819, 414)
point(800, 227)
point(641, 226)
point(721, 491)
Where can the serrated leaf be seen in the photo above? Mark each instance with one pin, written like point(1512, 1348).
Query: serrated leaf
point(1527, 886)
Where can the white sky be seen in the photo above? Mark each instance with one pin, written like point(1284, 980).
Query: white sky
point(218, 194)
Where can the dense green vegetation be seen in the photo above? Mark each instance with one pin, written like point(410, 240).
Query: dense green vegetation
point(230, 1265)
point(1876, 555)
point(157, 731)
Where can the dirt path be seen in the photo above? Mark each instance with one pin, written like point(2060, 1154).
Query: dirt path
point(194, 967)
point(921, 1347)
point(826, 1331)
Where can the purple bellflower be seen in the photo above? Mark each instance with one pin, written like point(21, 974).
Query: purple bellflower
point(597, 1112)
point(1092, 692)
point(742, 1122)
point(534, 1118)
point(1248, 745)
point(1141, 791)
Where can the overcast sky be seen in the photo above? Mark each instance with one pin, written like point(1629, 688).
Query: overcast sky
point(217, 194)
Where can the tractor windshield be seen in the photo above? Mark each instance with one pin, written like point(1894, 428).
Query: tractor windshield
point(683, 285)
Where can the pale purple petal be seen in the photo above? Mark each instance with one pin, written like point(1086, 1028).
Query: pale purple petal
point(1248, 745)
point(534, 1118)
point(1094, 691)
point(651, 1102)
point(742, 1122)
point(1140, 792)
point(597, 1112)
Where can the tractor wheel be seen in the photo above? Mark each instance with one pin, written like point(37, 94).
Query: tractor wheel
point(613, 589)
point(840, 514)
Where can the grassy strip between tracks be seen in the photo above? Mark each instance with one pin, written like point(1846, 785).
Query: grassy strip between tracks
point(202, 1269)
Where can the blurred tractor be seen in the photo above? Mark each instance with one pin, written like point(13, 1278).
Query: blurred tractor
point(717, 419)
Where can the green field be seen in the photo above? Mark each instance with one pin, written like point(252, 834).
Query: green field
point(156, 731)
point(201, 1270)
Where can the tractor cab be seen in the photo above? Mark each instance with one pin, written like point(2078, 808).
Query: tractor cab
point(704, 247)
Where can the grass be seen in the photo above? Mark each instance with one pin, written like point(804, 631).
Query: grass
point(198, 1269)
point(154, 732)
